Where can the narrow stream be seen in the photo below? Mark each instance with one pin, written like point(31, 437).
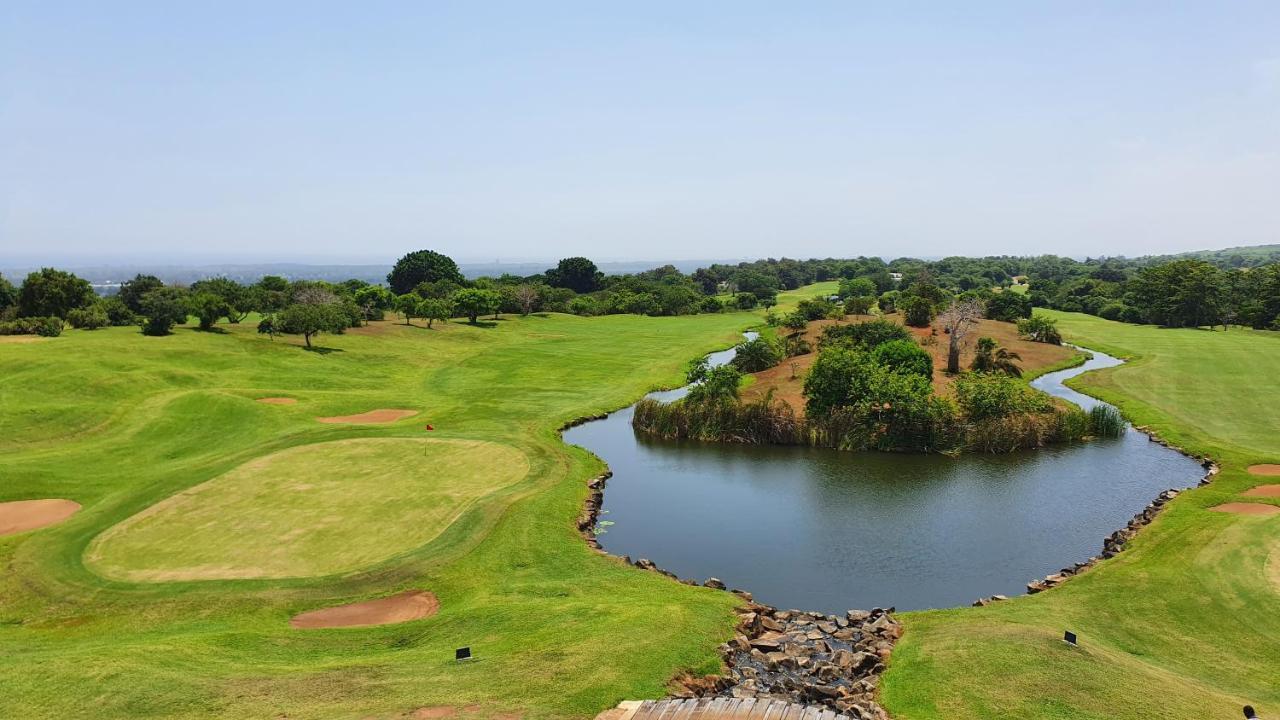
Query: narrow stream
point(827, 530)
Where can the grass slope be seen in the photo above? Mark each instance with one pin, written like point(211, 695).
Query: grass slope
point(1183, 624)
point(119, 422)
point(309, 510)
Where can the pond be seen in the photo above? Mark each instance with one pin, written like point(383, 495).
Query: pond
point(826, 530)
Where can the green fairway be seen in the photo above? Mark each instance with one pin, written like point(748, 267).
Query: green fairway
point(1184, 623)
point(120, 422)
point(309, 510)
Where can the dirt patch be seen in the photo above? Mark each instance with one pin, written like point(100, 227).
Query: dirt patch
point(434, 713)
point(372, 417)
point(406, 606)
point(787, 378)
point(1246, 508)
point(1263, 491)
point(23, 515)
point(278, 401)
point(1265, 470)
point(21, 339)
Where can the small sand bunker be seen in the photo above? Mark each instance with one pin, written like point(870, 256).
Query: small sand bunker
point(278, 401)
point(23, 515)
point(1247, 508)
point(410, 605)
point(370, 418)
point(1267, 470)
point(1263, 491)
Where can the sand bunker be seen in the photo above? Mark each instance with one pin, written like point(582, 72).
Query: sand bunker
point(370, 418)
point(278, 401)
point(1269, 470)
point(1263, 491)
point(1247, 508)
point(23, 515)
point(410, 605)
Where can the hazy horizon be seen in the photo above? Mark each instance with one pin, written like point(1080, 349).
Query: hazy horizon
point(352, 134)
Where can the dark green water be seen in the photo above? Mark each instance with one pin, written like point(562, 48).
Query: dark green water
point(826, 530)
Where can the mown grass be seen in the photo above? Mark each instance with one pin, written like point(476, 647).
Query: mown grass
point(309, 510)
point(1182, 625)
point(119, 422)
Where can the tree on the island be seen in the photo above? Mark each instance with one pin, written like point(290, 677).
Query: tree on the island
point(433, 309)
point(208, 307)
point(957, 320)
point(53, 293)
point(989, 356)
point(163, 308)
point(527, 297)
point(472, 303)
point(1040, 328)
point(756, 354)
point(576, 273)
point(904, 356)
point(132, 291)
point(1008, 306)
point(310, 319)
point(422, 266)
point(916, 311)
point(713, 384)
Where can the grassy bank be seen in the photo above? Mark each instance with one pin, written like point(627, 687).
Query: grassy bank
point(1184, 623)
point(120, 422)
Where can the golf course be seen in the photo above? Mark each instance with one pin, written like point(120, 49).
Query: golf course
point(228, 482)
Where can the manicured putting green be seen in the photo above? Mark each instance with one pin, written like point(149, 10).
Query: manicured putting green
point(306, 511)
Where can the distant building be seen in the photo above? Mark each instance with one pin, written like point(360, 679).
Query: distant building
point(897, 277)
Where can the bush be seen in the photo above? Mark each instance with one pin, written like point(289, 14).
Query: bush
point(208, 307)
point(1106, 421)
point(904, 356)
point(745, 300)
point(983, 396)
point(858, 305)
point(761, 422)
point(1112, 311)
point(118, 313)
point(889, 301)
point(90, 318)
point(711, 305)
point(865, 336)
point(583, 305)
point(713, 384)
point(815, 308)
point(1039, 328)
point(310, 319)
point(917, 311)
point(53, 293)
point(756, 355)
point(42, 326)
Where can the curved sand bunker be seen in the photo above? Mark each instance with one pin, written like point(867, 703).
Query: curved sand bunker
point(1246, 508)
point(1266, 470)
point(409, 605)
point(278, 401)
point(23, 515)
point(1263, 491)
point(372, 417)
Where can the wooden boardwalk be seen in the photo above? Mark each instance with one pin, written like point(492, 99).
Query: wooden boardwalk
point(718, 709)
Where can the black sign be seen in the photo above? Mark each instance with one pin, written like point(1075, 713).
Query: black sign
point(1069, 637)
point(465, 653)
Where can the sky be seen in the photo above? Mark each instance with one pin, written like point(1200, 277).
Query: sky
point(357, 131)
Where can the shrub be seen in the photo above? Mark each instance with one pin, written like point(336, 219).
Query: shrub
point(711, 305)
point(1106, 421)
point(310, 319)
point(90, 318)
point(473, 303)
point(745, 300)
point(583, 305)
point(990, 357)
point(865, 336)
point(983, 396)
point(815, 308)
point(1112, 311)
point(1039, 328)
point(53, 293)
point(858, 305)
point(1008, 306)
point(917, 311)
point(756, 355)
point(118, 313)
point(208, 307)
point(904, 356)
point(42, 326)
point(714, 384)
point(889, 301)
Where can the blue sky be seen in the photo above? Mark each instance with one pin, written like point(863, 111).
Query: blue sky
point(357, 131)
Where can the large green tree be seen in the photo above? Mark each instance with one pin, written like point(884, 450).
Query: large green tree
point(53, 293)
point(422, 266)
point(576, 273)
point(473, 303)
point(8, 294)
point(310, 319)
point(132, 291)
point(163, 308)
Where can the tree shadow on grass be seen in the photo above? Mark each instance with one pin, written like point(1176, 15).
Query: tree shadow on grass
point(487, 324)
point(321, 350)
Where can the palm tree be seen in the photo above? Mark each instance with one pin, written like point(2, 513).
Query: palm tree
point(990, 357)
